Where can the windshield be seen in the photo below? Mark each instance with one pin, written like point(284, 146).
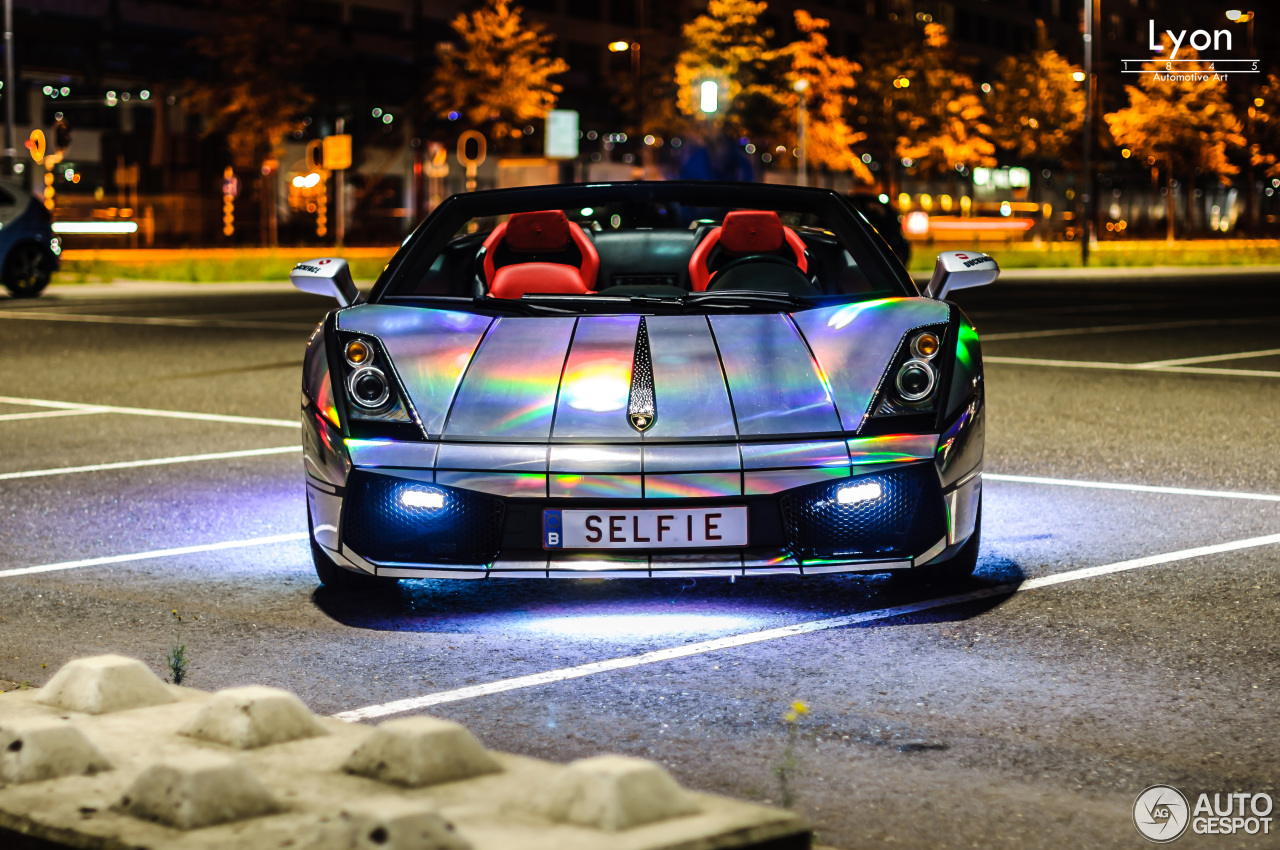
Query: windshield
point(679, 246)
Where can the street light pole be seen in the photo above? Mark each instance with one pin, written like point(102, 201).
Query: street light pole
point(1086, 176)
point(10, 153)
point(340, 209)
point(802, 88)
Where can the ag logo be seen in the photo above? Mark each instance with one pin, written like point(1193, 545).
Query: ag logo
point(325, 262)
point(1161, 813)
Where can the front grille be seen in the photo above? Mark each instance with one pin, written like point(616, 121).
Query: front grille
point(904, 520)
point(377, 524)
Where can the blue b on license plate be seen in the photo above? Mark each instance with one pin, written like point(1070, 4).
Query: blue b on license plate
point(647, 529)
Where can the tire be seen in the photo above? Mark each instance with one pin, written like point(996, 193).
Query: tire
point(957, 568)
point(26, 271)
point(334, 576)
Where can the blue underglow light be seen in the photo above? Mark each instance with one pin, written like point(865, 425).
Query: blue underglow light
point(642, 625)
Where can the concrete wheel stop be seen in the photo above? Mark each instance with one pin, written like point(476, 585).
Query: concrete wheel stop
point(108, 756)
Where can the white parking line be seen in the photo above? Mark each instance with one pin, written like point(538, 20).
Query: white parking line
point(156, 461)
point(1211, 358)
point(1130, 367)
point(146, 411)
point(157, 553)
point(733, 641)
point(1105, 329)
point(169, 321)
point(1135, 488)
point(45, 414)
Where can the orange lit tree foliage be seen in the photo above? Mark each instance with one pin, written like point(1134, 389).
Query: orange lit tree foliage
point(943, 120)
point(1036, 106)
point(1183, 124)
point(728, 44)
point(498, 77)
point(829, 140)
point(1264, 141)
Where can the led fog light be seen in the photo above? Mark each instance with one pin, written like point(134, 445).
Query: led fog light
point(358, 352)
point(422, 498)
point(856, 494)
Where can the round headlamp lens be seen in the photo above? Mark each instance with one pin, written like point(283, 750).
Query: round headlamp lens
point(358, 352)
point(925, 345)
point(369, 387)
point(915, 380)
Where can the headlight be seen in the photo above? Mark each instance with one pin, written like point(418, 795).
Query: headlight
point(915, 380)
point(368, 387)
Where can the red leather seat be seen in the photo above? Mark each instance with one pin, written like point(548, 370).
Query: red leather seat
point(533, 253)
point(744, 232)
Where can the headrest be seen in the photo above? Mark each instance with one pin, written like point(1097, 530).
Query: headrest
point(751, 232)
point(547, 230)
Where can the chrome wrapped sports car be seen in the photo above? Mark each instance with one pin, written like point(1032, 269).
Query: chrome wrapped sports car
point(643, 379)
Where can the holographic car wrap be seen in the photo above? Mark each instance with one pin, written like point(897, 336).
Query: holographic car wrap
point(752, 409)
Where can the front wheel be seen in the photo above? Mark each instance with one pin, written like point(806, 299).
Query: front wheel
point(26, 271)
point(332, 575)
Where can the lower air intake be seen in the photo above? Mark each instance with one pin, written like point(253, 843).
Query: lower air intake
point(388, 519)
point(889, 515)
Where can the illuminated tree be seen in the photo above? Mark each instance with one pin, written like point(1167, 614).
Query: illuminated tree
point(728, 45)
point(1036, 106)
point(499, 74)
point(829, 83)
point(1181, 120)
point(252, 97)
point(943, 118)
point(1264, 135)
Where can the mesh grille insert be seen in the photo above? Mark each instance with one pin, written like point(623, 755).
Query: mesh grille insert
point(465, 529)
point(905, 519)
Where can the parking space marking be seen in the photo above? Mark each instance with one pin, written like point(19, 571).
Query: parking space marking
point(146, 411)
point(1134, 488)
point(1131, 367)
point(1104, 329)
point(1210, 358)
point(157, 553)
point(733, 641)
point(155, 461)
point(170, 321)
point(45, 414)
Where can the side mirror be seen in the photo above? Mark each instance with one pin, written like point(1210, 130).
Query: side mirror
point(960, 270)
point(326, 276)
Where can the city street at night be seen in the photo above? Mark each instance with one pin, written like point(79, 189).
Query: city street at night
point(1120, 630)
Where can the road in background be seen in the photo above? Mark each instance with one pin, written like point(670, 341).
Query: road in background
point(1029, 716)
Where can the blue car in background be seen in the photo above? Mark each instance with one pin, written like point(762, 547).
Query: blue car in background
point(28, 249)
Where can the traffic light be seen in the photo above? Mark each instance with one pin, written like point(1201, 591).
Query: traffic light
point(62, 135)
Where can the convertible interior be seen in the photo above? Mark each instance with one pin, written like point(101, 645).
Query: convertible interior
point(547, 252)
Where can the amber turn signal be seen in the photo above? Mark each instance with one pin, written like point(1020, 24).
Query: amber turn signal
point(926, 345)
point(358, 352)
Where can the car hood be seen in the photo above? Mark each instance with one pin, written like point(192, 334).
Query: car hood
point(570, 379)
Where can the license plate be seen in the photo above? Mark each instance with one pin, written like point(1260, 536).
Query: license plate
point(648, 529)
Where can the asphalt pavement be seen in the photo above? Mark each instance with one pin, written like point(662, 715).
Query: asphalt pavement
point(1121, 631)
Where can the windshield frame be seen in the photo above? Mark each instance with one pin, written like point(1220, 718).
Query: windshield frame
point(418, 251)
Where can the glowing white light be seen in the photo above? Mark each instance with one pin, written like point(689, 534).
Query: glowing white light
point(854, 494)
point(1005, 209)
point(640, 625)
point(710, 96)
point(299, 181)
point(311, 180)
point(422, 499)
point(587, 210)
point(95, 227)
point(884, 199)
